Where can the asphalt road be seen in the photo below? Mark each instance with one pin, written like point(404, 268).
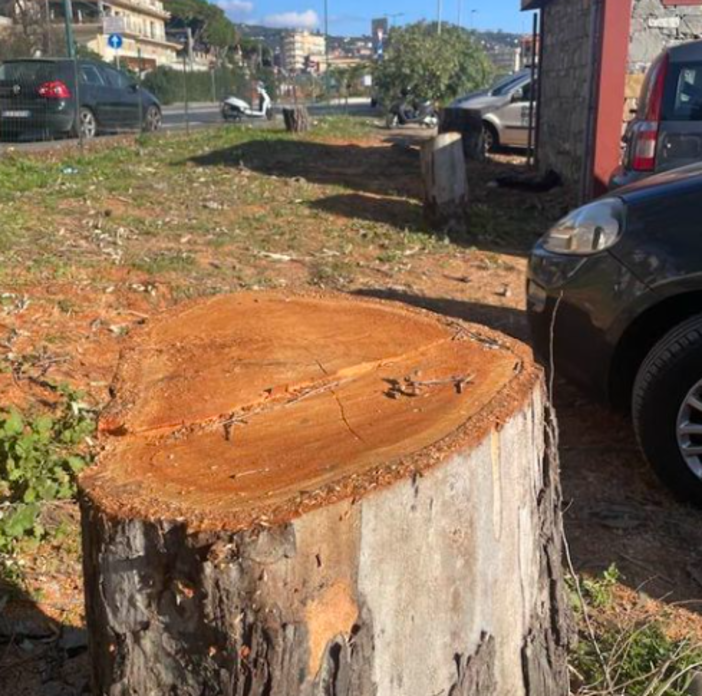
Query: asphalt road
point(175, 117)
point(206, 115)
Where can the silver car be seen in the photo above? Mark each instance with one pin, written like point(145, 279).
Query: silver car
point(505, 110)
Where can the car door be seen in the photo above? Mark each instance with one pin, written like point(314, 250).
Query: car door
point(94, 93)
point(124, 99)
point(514, 117)
point(680, 137)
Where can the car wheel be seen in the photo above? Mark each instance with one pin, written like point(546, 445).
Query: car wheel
point(153, 119)
point(491, 140)
point(667, 409)
point(87, 123)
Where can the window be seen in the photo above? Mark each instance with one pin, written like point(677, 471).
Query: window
point(116, 78)
point(90, 75)
point(683, 99)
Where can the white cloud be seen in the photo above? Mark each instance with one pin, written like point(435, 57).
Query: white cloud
point(308, 19)
point(236, 8)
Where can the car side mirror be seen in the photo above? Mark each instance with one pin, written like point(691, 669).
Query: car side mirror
point(518, 96)
point(134, 87)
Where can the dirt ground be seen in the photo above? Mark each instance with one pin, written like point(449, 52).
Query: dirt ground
point(92, 255)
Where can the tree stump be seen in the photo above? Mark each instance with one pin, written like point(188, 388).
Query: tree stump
point(297, 119)
point(445, 183)
point(469, 123)
point(322, 495)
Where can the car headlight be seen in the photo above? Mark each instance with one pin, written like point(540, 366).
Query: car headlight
point(587, 230)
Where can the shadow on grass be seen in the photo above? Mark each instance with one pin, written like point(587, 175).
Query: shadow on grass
point(385, 186)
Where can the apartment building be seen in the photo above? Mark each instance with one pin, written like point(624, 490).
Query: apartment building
point(303, 51)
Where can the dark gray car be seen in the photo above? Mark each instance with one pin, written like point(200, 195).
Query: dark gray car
point(667, 130)
point(39, 98)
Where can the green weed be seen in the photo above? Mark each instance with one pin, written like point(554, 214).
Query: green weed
point(39, 458)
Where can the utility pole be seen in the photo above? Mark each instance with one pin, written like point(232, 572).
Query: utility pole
point(438, 13)
point(68, 19)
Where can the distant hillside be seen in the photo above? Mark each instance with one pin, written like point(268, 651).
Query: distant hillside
point(272, 37)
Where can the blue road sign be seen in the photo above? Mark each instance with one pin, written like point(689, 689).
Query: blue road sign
point(115, 41)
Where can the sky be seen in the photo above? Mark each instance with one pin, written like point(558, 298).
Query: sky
point(353, 17)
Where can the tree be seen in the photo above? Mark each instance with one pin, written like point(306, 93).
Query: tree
point(208, 23)
point(430, 65)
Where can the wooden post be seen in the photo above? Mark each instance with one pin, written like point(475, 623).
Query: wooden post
point(445, 183)
point(297, 119)
point(320, 495)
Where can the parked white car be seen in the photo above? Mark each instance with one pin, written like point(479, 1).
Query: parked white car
point(505, 110)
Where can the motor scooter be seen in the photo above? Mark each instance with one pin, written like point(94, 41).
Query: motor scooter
point(407, 112)
point(235, 109)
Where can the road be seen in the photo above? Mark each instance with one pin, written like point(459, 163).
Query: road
point(174, 117)
point(207, 115)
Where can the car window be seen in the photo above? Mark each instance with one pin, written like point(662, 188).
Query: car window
point(683, 100)
point(507, 86)
point(28, 71)
point(90, 75)
point(523, 94)
point(115, 78)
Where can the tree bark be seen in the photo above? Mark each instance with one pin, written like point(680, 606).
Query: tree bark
point(366, 505)
point(445, 183)
point(297, 119)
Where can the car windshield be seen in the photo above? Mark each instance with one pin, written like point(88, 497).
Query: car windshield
point(27, 71)
point(506, 84)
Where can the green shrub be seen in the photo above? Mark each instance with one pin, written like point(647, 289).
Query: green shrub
point(169, 85)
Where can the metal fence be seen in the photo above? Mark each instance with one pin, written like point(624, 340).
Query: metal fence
point(59, 98)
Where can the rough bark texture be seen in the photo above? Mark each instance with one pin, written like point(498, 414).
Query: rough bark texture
point(440, 578)
point(469, 123)
point(445, 183)
point(297, 119)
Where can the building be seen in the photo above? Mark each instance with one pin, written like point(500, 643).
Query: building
point(142, 24)
point(303, 52)
point(593, 57)
point(506, 59)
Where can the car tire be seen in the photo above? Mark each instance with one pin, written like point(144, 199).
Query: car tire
point(153, 120)
point(87, 125)
point(667, 409)
point(491, 140)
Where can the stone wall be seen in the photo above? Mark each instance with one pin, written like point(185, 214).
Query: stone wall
point(654, 27)
point(566, 69)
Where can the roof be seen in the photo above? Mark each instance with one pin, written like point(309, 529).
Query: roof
point(533, 4)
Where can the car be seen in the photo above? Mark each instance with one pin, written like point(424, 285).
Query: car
point(505, 110)
point(666, 131)
point(614, 300)
point(38, 98)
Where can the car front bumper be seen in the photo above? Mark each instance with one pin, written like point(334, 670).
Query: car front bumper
point(575, 307)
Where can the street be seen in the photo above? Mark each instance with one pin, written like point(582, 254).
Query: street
point(200, 115)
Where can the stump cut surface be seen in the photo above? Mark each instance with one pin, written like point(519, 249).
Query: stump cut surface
point(256, 407)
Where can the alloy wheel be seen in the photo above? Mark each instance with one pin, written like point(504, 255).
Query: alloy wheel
point(153, 119)
point(689, 429)
point(88, 124)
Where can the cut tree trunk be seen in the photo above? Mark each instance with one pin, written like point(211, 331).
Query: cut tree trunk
point(322, 495)
point(469, 123)
point(297, 119)
point(445, 183)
